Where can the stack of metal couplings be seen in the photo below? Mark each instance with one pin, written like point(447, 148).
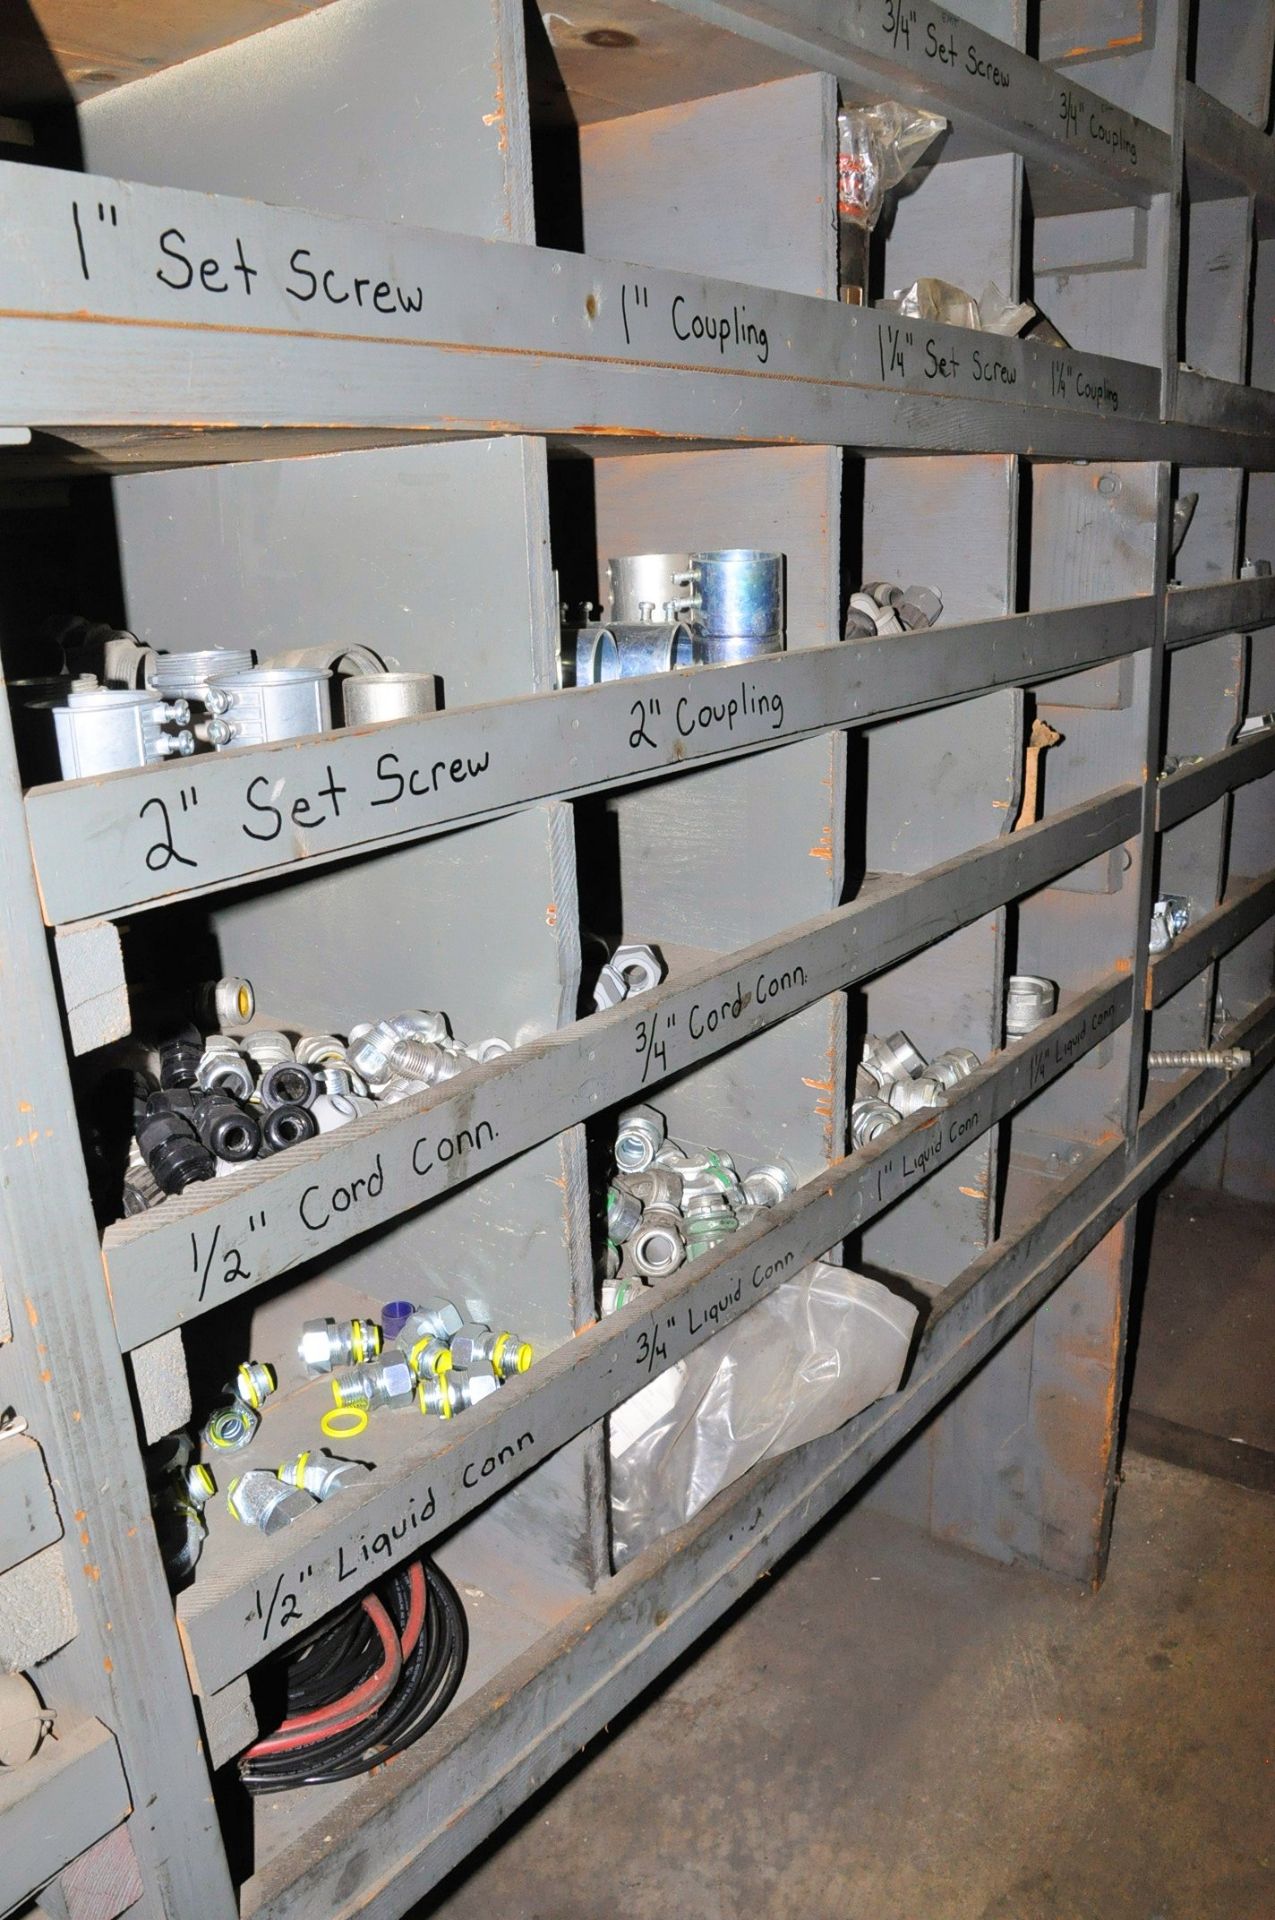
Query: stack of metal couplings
point(895, 1080)
point(669, 1204)
point(882, 608)
point(441, 1362)
point(672, 610)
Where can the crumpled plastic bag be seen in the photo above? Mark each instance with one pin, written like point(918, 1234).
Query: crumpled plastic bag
point(799, 1364)
point(992, 312)
point(876, 148)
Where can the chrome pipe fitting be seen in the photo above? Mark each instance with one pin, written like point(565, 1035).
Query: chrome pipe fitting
point(224, 1066)
point(912, 1096)
point(657, 1248)
point(387, 1382)
point(101, 729)
point(1170, 916)
point(657, 1186)
point(1030, 999)
point(624, 1214)
point(869, 1119)
point(890, 1058)
point(188, 675)
point(478, 1346)
point(767, 1186)
point(639, 1136)
point(738, 592)
point(254, 1382)
point(371, 699)
point(321, 1474)
point(953, 1066)
point(268, 703)
point(644, 586)
point(230, 1427)
point(261, 1500)
point(453, 1394)
point(327, 1344)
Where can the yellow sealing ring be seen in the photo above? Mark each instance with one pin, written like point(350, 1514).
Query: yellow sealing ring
point(203, 1479)
point(442, 1362)
point(342, 1423)
point(365, 1339)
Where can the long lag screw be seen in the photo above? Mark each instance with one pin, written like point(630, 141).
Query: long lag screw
point(1229, 1059)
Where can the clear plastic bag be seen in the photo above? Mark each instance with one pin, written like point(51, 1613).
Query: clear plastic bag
point(992, 312)
point(801, 1363)
point(876, 147)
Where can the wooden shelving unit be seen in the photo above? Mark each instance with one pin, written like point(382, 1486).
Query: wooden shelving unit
point(526, 293)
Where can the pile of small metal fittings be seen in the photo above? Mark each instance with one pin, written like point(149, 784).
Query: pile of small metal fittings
point(669, 1204)
point(1170, 917)
point(883, 608)
point(441, 1362)
point(632, 969)
point(670, 610)
point(180, 1488)
point(226, 1098)
point(894, 1080)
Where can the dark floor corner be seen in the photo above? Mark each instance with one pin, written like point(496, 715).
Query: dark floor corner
point(898, 1730)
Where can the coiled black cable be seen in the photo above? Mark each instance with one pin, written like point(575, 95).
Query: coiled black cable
point(403, 1647)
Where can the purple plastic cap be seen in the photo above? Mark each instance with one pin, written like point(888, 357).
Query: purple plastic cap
point(394, 1317)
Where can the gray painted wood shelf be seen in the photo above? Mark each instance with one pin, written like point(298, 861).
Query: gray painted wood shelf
point(597, 312)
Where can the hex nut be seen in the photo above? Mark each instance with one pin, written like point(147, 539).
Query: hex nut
point(396, 1383)
point(1029, 1001)
point(608, 989)
point(953, 1066)
point(638, 968)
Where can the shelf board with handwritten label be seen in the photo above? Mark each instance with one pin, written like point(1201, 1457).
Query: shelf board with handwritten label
point(163, 833)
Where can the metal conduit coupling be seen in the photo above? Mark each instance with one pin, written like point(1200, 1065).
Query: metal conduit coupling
point(871, 1118)
point(1030, 999)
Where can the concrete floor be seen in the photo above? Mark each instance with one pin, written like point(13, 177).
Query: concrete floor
point(893, 1729)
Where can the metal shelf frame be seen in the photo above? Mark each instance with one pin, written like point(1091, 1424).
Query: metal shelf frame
point(523, 345)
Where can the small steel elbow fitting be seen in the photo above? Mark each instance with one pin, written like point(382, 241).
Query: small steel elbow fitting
point(320, 1473)
point(260, 1499)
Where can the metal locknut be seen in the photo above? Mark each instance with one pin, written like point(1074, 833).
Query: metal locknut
point(633, 968)
point(1029, 1001)
point(911, 1096)
point(434, 1319)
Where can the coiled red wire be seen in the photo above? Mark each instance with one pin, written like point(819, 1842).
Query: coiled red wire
point(365, 1684)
